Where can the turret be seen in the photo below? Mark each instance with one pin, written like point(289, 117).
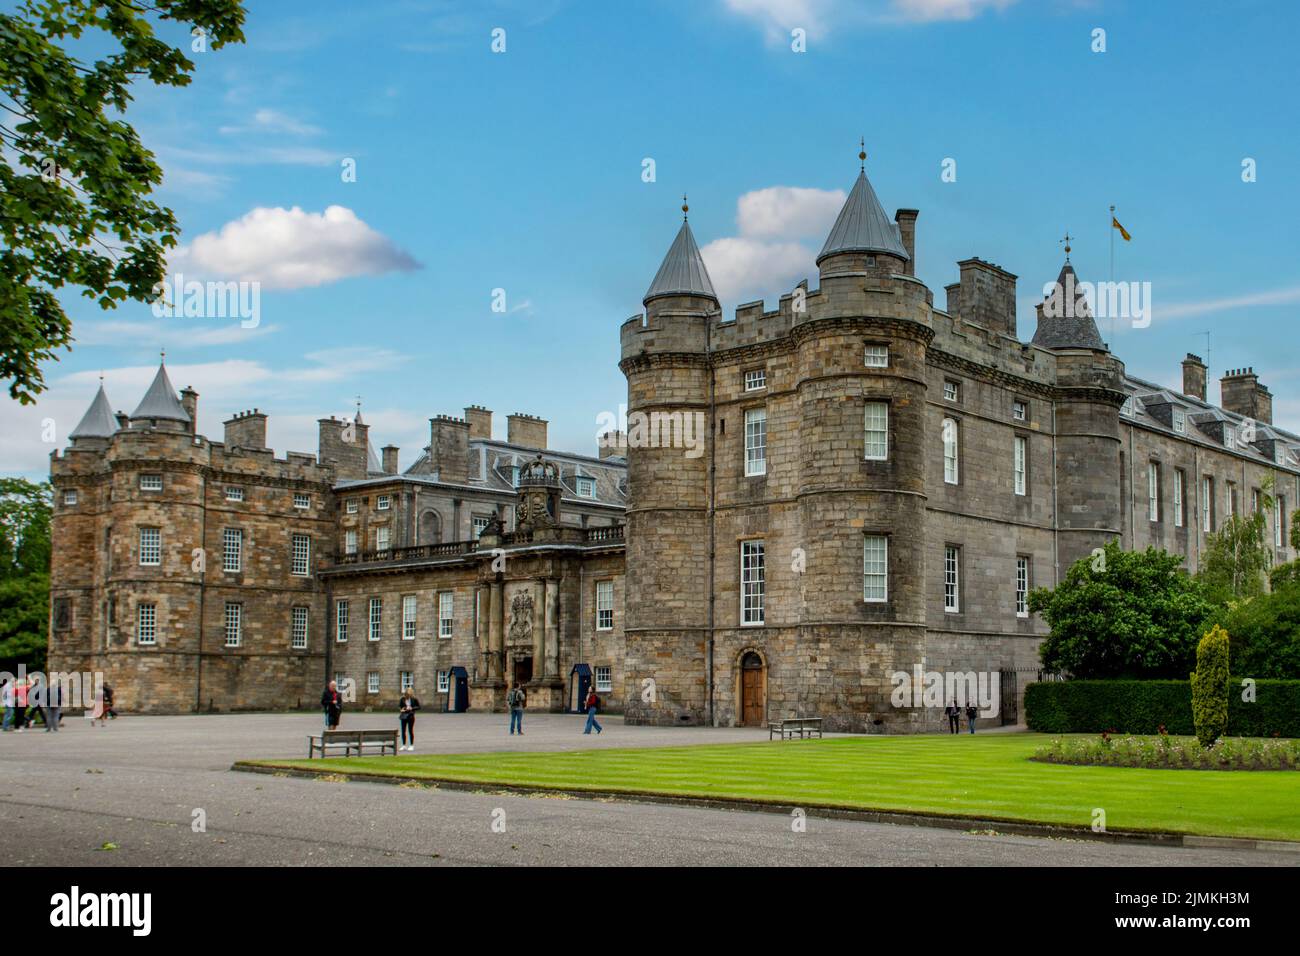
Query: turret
point(666, 362)
point(863, 239)
point(161, 408)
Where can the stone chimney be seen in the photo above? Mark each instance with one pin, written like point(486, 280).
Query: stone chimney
point(1241, 393)
point(612, 443)
point(480, 421)
point(190, 402)
point(246, 430)
point(527, 431)
point(987, 296)
point(906, 219)
point(344, 446)
point(1194, 376)
point(390, 459)
point(449, 448)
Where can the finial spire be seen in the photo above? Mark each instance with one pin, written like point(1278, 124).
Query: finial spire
point(685, 207)
point(1066, 240)
point(162, 356)
point(862, 152)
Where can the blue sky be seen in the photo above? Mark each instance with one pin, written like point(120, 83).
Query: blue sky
point(523, 171)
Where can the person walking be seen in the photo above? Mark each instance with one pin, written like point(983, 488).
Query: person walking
point(52, 707)
point(593, 705)
point(108, 703)
point(331, 702)
point(971, 714)
point(20, 706)
point(953, 713)
point(516, 701)
point(407, 707)
point(7, 698)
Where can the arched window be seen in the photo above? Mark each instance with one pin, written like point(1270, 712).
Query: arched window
point(430, 528)
point(950, 467)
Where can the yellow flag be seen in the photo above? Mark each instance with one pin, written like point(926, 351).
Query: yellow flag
point(1122, 231)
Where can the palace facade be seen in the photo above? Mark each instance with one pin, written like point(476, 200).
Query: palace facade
point(880, 484)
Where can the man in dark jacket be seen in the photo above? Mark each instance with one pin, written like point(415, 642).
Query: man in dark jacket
point(953, 713)
point(971, 714)
point(516, 702)
point(332, 703)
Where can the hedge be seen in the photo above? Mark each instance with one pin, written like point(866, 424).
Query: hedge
point(1141, 706)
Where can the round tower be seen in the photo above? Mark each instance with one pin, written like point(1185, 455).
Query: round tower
point(669, 439)
point(861, 387)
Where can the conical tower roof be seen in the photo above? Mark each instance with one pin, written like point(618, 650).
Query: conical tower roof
point(862, 225)
point(99, 420)
point(161, 401)
point(682, 271)
point(1064, 318)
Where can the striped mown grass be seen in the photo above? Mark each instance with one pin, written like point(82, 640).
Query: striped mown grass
point(986, 776)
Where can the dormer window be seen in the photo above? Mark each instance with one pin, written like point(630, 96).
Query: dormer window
point(1127, 407)
point(1180, 422)
point(1229, 436)
point(586, 487)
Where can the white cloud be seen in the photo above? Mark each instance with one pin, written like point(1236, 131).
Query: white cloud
point(926, 11)
point(173, 334)
point(788, 211)
point(779, 17)
point(766, 258)
point(268, 121)
point(293, 249)
point(746, 269)
point(1184, 309)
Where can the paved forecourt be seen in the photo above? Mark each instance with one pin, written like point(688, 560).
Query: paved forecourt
point(136, 785)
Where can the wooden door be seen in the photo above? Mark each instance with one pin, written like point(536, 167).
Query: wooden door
point(753, 702)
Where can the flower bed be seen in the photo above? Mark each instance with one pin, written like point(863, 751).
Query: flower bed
point(1163, 751)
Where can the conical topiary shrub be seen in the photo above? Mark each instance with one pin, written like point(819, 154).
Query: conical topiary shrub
point(1210, 686)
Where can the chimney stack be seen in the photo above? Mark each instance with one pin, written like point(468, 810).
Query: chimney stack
point(480, 421)
point(527, 431)
point(390, 459)
point(612, 443)
point(190, 402)
point(246, 430)
point(449, 448)
point(344, 446)
point(906, 219)
point(1194, 376)
point(1241, 393)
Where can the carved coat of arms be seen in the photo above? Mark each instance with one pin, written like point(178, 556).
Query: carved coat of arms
point(521, 619)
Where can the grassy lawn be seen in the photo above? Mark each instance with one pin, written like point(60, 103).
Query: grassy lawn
point(987, 776)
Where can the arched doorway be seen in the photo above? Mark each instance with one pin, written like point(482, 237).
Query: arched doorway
point(430, 528)
point(753, 690)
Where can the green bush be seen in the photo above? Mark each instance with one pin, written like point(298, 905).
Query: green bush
point(1265, 631)
point(1210, 686)
point(1143, 706)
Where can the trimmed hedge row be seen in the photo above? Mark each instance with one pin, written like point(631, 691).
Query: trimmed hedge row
point(1141, 706)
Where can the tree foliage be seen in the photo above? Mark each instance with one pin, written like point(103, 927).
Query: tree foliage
point(1265, 632)
point(1236, 560)
point(24, 572)
point(1122, 614)
point(1210, 686)
point(75, 180)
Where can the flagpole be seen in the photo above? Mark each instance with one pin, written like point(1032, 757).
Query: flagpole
point(1110, 227)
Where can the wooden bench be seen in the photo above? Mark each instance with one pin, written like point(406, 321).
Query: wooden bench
point(331, 741)
point(792, 726)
